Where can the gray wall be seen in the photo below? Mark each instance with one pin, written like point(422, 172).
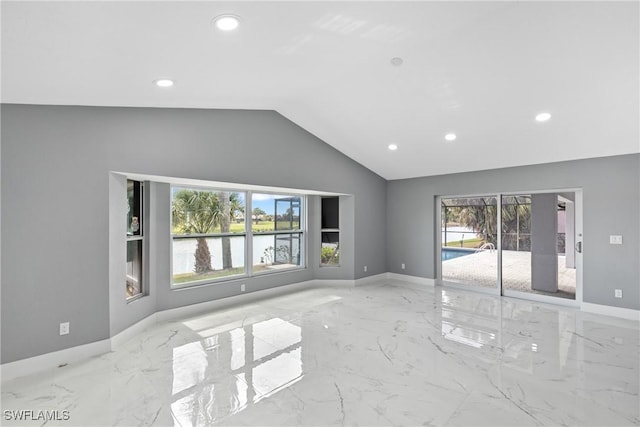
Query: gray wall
point(121, 313)
point(611, 194)
point(56, 187)
point(347, 229)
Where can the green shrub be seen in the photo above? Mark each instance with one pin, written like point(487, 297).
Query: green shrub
point(330, 255)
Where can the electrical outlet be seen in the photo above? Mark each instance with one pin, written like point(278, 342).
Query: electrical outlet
point(402, 266)
point(365, 268)
point(618, 293)
point(615, 240)
point(64, 328)
point(243, 287)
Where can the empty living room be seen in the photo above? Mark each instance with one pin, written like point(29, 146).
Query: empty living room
point(319, 213)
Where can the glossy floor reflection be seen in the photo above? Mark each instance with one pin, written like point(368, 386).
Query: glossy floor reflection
point(388, 354)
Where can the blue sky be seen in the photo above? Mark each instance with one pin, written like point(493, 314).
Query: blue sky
point(265, 202)
point(265, 205)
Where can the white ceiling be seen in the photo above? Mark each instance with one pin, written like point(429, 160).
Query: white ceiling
point(480, 69)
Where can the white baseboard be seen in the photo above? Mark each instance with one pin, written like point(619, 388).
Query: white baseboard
point(371, 279)
point(40, 363)
point(363, 281)
point(607, 310)
point(218, 304)
point(133, 330)
point(412, 279)
point(334, 282)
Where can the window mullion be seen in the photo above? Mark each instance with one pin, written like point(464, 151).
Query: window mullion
point(248, 221)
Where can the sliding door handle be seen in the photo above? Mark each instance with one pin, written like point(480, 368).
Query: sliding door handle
point(579, 247)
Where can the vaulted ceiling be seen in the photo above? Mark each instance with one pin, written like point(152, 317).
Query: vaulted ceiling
point(481, 70)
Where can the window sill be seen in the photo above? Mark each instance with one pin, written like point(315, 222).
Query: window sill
point(278, 270)
point(204, 282)
point(135, 298)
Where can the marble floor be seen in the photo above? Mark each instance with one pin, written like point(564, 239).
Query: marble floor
point(392, 353)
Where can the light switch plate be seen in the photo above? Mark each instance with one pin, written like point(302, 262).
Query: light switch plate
point(615, 239)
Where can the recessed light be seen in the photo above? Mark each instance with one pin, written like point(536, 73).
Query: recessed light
point(393, 147)
point(163, 83)
point(450, 137)
point(226, 22)
point(397, 61)
point(543, 117)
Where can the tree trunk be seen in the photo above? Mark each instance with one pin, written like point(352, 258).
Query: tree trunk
point(225, 224)
point(203, 257)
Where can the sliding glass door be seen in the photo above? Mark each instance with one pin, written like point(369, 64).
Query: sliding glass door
point(538, 241)
point(469, 239)
point(521, 245)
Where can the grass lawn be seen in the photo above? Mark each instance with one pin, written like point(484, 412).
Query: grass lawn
point(192, 277)
point(470, 243)
point(261, 226)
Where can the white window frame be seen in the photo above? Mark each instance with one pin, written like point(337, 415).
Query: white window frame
point(301, 231)
point(138, 238)
point(191, 236)
point(330, 230)
point(248, 235)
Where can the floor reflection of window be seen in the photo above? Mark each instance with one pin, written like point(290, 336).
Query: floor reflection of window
point(277, 356)
point(224, 373)
point(473, 323)
point(210, 402)
point(277, 333)
point(239, 400)
point(276, 374)
point(466, 336)
point(237, 348)
point(189, 366)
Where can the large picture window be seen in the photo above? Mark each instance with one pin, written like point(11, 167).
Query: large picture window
point(220, 234)
point(209, 234)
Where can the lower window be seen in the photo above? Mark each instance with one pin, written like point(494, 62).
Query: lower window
point(134, 267)
point(330, 254)
point(207, 258)
point(276, 251)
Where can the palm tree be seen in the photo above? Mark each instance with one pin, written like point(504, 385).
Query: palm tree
point(257, 214)
point(201, 212)
point(480, 214)
point(230, 204)
point(196, 212)
point(480, 217)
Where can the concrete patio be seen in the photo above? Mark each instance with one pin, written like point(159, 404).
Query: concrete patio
point(481, 269)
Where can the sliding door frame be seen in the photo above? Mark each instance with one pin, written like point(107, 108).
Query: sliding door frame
point(438, 252)
point(500, 290)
